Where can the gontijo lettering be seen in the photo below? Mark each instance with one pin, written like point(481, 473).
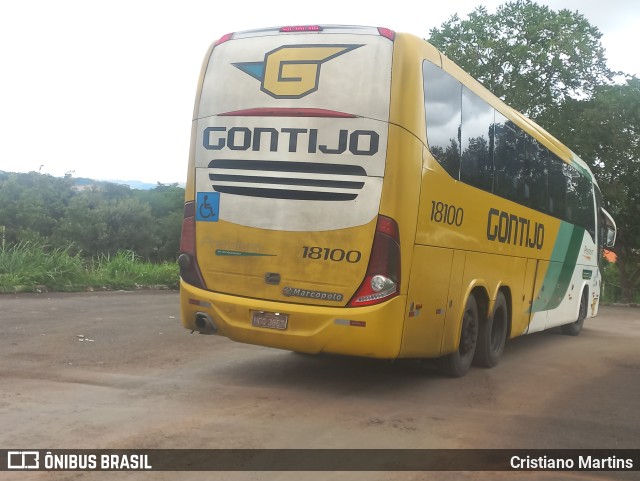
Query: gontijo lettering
point(359, 142)
point(512, 229)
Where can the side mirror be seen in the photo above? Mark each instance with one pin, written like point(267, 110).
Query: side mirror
point(609, 229)
point(610, 237)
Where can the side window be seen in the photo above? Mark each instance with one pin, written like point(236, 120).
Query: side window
point(538, 157)
point(557, 188)
point(442, 103)
point(481, 147)
point(521, 166)
point(477, 137)
point(571, 195)
point(580, 200)
point(507, 160)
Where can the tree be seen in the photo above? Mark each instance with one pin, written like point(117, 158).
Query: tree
point(130, 226)
point(527, 54)
point(31, 205)
point(98, 226)
point(83, 226)
point(166, 202)
point(605, 130)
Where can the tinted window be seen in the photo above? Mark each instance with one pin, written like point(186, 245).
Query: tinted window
point(480, 146)
point(508, 160)
point(538, 159)
point(557, 188)
point(579, 199)
point(442, 98)
point(477, 136)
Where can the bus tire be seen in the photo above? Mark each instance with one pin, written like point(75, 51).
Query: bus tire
point(492, 335)
point(458, 363)
point(574, 328)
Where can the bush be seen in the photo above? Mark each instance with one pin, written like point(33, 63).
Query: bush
point(32, 266)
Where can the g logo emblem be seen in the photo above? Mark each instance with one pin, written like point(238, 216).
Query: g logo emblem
point(292, 71)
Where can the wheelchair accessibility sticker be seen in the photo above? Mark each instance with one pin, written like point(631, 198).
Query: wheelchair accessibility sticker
point(207, 206)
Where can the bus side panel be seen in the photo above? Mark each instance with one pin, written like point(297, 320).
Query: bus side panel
point(494, 272)
point(568, 310)
point(541, 297)
point(455, 304)
point(563, 279)
point(427, 302)
point(490, 273)
point(521, 318)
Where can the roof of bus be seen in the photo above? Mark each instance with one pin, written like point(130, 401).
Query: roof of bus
point(351, 29)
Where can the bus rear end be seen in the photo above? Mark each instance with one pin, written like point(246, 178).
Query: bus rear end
point(283, 242)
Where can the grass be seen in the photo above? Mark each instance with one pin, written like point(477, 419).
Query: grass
point(28, 266)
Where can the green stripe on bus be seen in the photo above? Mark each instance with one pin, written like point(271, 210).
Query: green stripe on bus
point(559, 274)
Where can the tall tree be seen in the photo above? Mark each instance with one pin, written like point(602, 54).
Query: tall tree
point(31, 205)
point(606, 131)
point(527, 54)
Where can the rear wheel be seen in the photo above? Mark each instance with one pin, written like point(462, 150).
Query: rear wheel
point(457, 363)
point(492, 335)
point(574, 328)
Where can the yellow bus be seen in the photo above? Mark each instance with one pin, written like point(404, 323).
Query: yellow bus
point(352, 191)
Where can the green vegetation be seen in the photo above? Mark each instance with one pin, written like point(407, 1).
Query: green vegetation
point(95, 219)
point(30, 267)
point(551, 65)
point(63, 234)
point(611, 287)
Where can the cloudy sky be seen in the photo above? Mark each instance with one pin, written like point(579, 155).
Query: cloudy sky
point(105, 89)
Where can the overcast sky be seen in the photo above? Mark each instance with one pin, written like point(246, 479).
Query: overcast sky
point(105, 89)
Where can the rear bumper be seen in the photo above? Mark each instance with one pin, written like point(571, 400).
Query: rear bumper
point(372, 331)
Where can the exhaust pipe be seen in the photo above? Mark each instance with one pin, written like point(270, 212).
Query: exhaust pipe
point(204, 324)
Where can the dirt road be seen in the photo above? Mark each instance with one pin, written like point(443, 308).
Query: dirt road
point(117, 370)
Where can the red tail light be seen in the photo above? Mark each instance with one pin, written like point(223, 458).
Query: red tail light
point(225, 38)
point(382, 280)
point(387, 32)
point(187, 261)
point(188, 237)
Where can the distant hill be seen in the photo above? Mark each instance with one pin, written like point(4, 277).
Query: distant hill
point(84, 183)
point(135, 184)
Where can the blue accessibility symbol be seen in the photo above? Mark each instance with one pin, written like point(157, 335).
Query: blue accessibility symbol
point(207, 206)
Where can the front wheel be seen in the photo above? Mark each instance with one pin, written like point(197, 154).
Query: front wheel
point(457, 363)
point(574, 328)
point(492, 335)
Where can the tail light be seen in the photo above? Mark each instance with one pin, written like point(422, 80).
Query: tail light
point(382, 280)
point(187, 261)
point(223, 39)
point(387, 33)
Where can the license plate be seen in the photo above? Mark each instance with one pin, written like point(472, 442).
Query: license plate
point(269, 320)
